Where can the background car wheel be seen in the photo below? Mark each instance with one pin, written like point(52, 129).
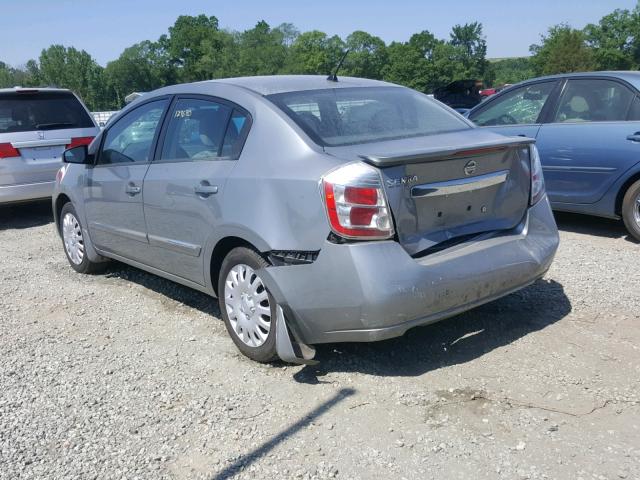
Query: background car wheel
point(73, 241)
point(631, 210)
point(247, 307)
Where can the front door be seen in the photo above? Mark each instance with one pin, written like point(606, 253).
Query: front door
point(590, 142)
point(114, 186)
point(185, 184)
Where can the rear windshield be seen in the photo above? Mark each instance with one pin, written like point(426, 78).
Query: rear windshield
point(348, 116)
point(23, 112)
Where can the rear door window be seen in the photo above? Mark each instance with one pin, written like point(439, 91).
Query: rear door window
point(204, 130)
point(593, 100)
point(40, 110)
point(521, 106)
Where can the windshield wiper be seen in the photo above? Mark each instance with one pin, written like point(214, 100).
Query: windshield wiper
point(50, 126)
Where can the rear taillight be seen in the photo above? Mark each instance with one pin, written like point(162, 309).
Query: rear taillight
point(537, 179)
point(7, 151)
point(356, 204)
point(76, 142)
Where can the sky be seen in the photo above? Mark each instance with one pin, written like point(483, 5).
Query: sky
point(105, 28)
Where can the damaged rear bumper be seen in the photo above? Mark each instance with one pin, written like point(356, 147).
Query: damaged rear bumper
point(372, 291)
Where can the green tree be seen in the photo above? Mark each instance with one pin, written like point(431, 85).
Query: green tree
point(511, 70)
point(367, 55)
point(11, 77)
point(262, 50)
point(615, 40)
point(407, 65)
point(472, 49)
point(141, 67)
point(314, 52)
point(189, 39)
point(73, 69)
point(562, 50)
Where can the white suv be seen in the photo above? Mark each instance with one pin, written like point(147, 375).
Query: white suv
point(36, 126)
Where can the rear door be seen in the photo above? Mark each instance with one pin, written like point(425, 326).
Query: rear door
point(593, 138)
point(35, 128)
point(519, 111)
point(113, 190)
point(184, 186)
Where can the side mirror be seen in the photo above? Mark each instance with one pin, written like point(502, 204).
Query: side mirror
point(78, 154)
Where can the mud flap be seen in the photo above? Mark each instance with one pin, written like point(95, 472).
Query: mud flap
point(287, 348)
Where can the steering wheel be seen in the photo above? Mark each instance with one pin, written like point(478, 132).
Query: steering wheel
point(506, 119)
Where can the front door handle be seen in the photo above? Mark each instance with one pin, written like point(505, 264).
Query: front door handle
point(205, 189)
point(132, 189)
point(635, 137)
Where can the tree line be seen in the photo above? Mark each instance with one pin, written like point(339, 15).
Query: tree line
point(196, 48)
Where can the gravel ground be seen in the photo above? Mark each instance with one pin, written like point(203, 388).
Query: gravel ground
point(125, 375)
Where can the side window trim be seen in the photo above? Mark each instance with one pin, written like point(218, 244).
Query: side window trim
point(154, 142)
point(554, 112)
point(636, 98)
point(543, 113)
point(162, 137)
point(549, 109)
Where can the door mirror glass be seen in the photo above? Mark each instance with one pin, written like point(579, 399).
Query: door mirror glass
point(77, 155)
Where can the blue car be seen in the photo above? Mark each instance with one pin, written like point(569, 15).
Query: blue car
point(587, 129)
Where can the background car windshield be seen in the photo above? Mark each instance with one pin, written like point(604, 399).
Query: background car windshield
point(347, 116)
point(24, 112)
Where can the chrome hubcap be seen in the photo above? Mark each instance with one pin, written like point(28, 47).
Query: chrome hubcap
point(636, 210)
point(247, 304)
point(72, 236)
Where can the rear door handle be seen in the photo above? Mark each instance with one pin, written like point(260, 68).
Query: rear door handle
point(205, 189)
point(635, 137)
point(132, 189)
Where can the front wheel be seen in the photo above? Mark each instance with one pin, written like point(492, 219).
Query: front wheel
point(631, 210)
point(73, 241)
point(247, 307)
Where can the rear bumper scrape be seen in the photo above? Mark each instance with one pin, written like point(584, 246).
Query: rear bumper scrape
point(374, 290)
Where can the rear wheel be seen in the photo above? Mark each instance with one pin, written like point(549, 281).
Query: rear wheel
point(631, 210)
point(73, 241)
point(247, 307)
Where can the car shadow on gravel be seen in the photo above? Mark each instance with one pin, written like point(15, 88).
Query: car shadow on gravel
point(25, 215)
point(457, 340)
point(181, 294)
point(589, 225)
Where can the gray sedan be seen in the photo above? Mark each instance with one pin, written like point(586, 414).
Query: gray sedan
point(315, 210)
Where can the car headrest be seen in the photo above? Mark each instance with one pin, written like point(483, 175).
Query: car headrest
point(578, 104)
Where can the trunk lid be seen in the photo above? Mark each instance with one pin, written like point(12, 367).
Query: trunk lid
point(445, 188)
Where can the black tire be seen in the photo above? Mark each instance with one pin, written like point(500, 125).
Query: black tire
point(241, 255)
point(631, 210)
point(86, 265)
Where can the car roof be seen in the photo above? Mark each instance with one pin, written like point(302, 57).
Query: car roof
point(630, 76)
point(33, 89)
point(272, 84)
